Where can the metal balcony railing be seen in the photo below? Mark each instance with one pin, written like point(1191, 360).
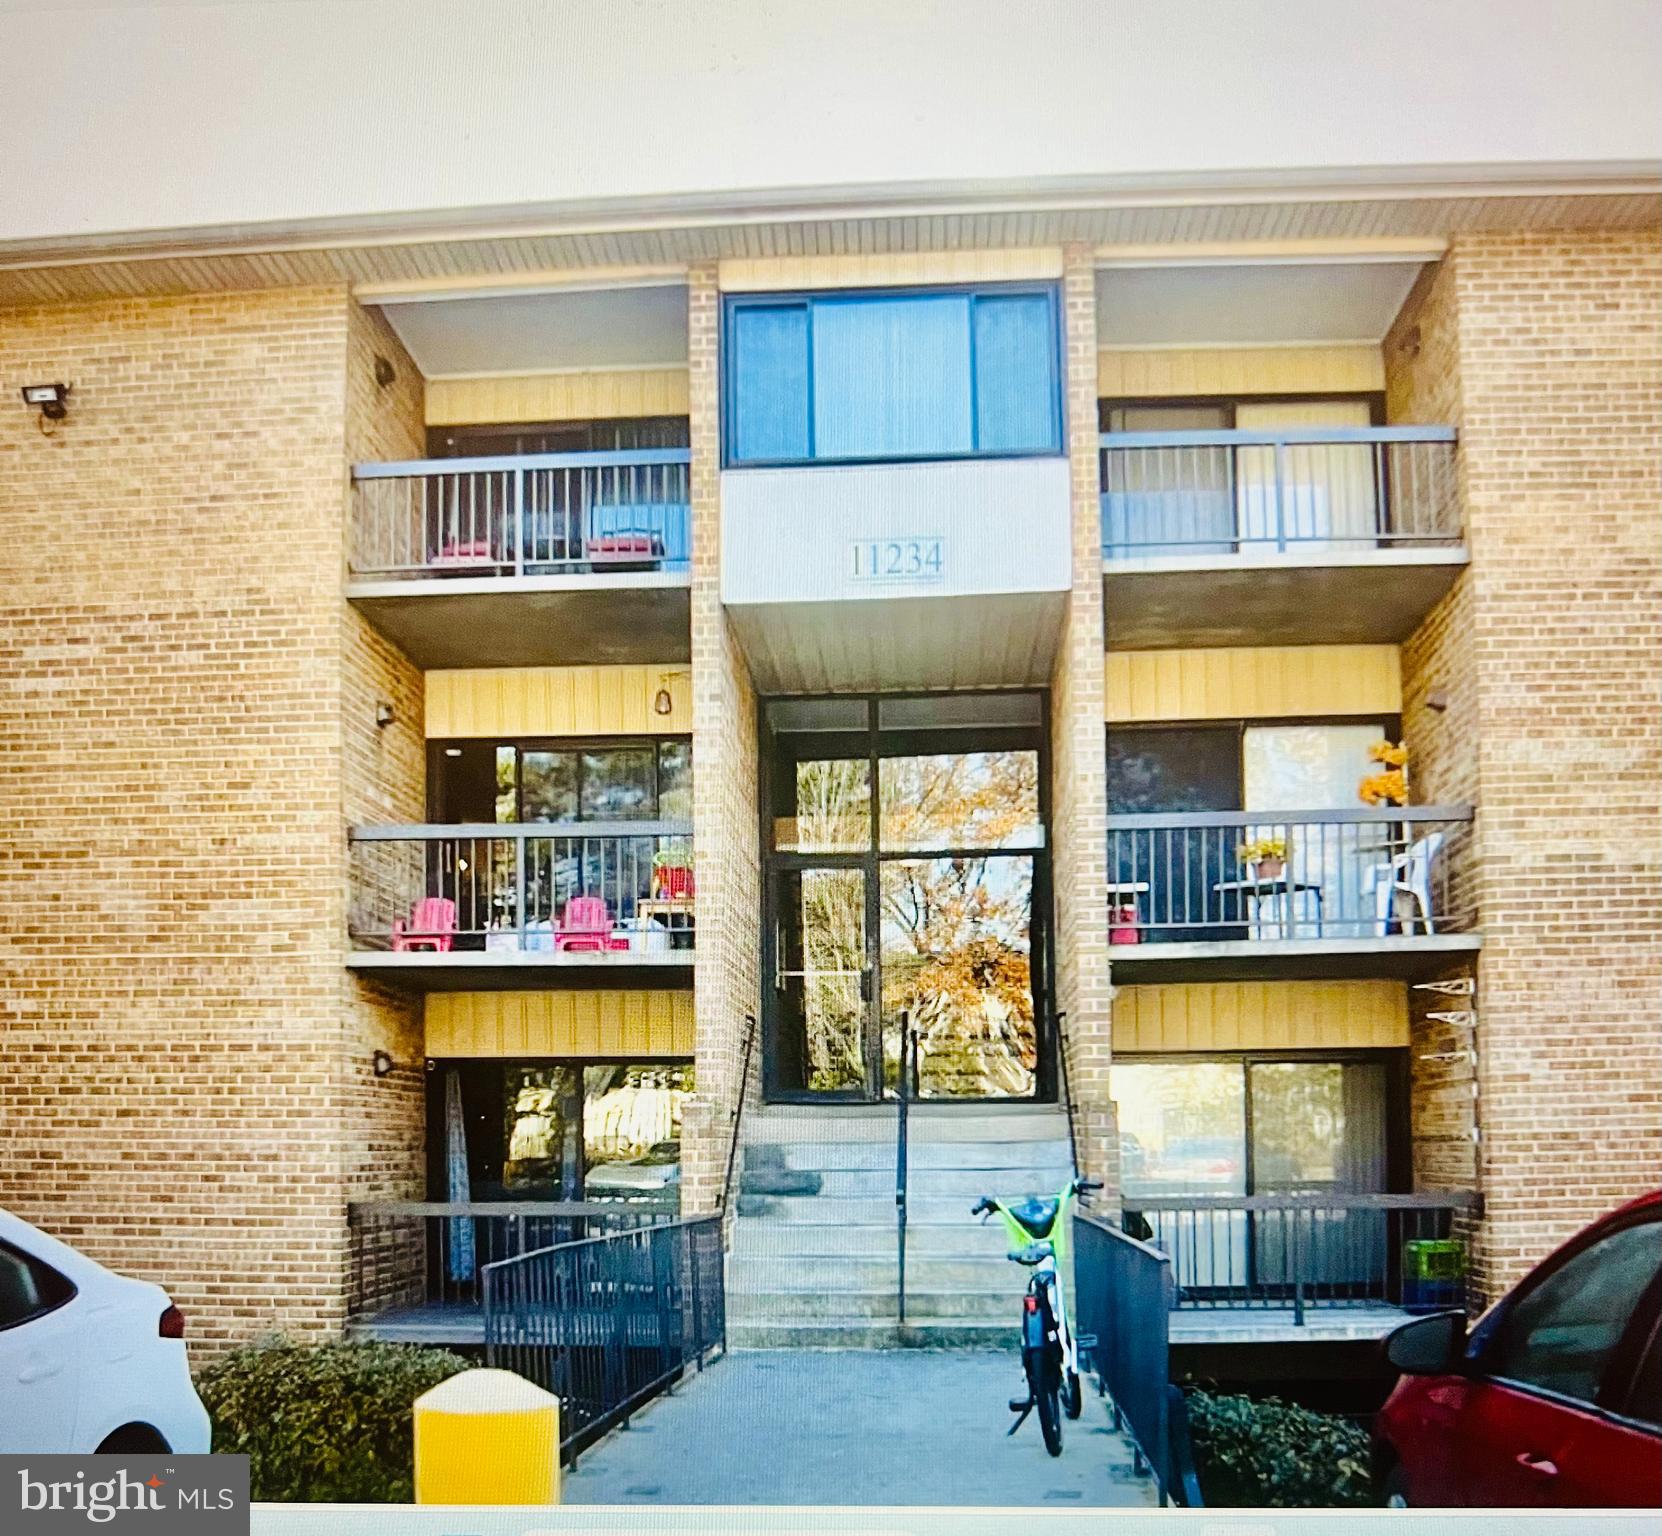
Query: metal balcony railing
point(609, 887)
point(609, 1323)
point(1301, 489)
point(430, 1254)
point(1277, 876)
point(523, 515)
point(1305, 1249)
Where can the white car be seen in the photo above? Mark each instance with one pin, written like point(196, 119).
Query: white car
point(89, 1360)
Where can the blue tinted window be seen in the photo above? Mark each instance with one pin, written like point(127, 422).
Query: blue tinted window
point(890, 378)
point(769, 394)
point(933, 374)
point(1015, 378)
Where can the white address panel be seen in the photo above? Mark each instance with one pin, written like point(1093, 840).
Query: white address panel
point(888, 530)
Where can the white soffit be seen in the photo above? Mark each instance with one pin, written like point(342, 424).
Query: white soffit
point(1261, 304)
point(631, 327)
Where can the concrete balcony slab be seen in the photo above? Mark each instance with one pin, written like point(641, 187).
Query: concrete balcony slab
point(1311, 597)
point(573, 619)
point(479, 971)
point(1410, 958)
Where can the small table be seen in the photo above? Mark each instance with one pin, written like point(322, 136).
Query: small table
point(674, 912)
point(1280, 890)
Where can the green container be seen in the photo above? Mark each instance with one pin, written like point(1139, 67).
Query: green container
point(1434, 1258)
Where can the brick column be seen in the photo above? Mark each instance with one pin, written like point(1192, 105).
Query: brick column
point(1079, 788)
point(725, 841)
point(1542, 348)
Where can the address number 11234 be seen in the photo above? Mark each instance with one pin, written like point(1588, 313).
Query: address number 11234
point(913, 559)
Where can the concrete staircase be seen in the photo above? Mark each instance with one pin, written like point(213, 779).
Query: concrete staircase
point(814, 1261)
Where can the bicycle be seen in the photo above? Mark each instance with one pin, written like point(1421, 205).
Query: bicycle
point(1037, 1228)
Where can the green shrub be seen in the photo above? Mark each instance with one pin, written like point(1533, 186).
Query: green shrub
point(1271, 1454)
point(323, 1423)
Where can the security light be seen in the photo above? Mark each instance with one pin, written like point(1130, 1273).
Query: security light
point(385, 714)
point(51, 400)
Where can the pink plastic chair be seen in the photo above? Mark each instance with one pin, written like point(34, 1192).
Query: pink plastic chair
point(587, 925)
point(431, 926)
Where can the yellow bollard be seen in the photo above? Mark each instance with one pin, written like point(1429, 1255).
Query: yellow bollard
point(487, 1437)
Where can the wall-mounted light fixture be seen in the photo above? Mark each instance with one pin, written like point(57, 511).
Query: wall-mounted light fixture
point(385, 373)
point(51, 400)
point(381, 1064)
point(1437, 699)
point(1408, 344)
point(385, 714)
point(663, 701)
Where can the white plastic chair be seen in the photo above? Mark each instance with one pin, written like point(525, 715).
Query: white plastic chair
point(1410, 873)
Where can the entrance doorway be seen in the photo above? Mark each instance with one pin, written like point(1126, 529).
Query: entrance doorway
point(907, 883)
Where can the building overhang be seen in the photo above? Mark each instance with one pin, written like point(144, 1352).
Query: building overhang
point(1410, 958)
point(515, 621)
point(1365, 597)
point(478, 971)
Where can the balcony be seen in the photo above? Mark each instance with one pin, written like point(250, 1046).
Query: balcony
point(507, 561)
point(1300, 536)
point(1352, 893)
point(1311, 1266)
point(549, 904)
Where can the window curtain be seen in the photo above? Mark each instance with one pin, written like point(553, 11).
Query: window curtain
point(890, 378)
point(1015, 392)
point(769, 368)
point(1327, 496)
point(459, 1248)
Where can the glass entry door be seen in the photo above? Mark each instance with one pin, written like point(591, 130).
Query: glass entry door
point(906, 887)
point(823, 1040)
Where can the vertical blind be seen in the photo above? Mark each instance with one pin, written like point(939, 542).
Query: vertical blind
point(892, 376)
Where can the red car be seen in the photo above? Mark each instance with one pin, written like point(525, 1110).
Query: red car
point(1554, 1400)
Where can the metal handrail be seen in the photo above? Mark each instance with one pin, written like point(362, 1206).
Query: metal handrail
point(513, 515)
point(607, 1323)
point(503, 462)
point(908, 1068)
point(1125, 1290)
point(513, 831)
point(1225, 493)
point(1227, 437)
point(1297, 1250)
point(1125, 821)
point(738, 1109)
point(1067, 1090)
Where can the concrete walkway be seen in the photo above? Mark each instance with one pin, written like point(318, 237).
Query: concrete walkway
point(881, 1427)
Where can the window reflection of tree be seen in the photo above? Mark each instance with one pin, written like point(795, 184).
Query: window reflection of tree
point(833, 940)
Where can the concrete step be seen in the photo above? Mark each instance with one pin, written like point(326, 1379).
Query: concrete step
point(881, 1305)
point(921, 1183)
point(874, 1209)
point(784, 1273)
point(854, 1156)
point(863, 1333)
point(835, 1241)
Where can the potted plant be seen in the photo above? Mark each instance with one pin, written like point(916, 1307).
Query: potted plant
point(1390, 785)
point(672, 871)
point(1266, 857)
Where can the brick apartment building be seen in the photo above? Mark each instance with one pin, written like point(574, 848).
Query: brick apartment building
point(506, 607)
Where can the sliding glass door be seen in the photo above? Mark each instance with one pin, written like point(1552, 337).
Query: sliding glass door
point(1218, 1131)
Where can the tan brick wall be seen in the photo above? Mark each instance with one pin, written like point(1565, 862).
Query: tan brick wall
point(384, 776)
point(1542, 348)
point(726, 969)
point(185, 1090)
point(1079, 770)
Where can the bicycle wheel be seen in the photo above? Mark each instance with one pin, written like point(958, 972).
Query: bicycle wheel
point(1050, 1419)
point(1073, 1396)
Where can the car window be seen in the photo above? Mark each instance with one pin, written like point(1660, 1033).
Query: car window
point(28, 1287)
point(1559, 1334)
point(1644, 1398)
